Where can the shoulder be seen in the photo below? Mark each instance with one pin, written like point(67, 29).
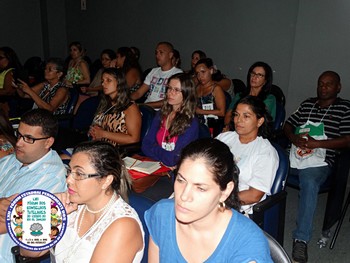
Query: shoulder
point(158, 210)
point(227, 136)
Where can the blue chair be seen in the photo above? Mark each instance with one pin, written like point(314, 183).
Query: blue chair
point(280, 117)
point(148, 114)
point(65, 120)
point(269, 214)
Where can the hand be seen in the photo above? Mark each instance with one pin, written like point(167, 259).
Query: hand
point(24, 86)
point(300, 140)
point(68, 205)
point(96, 132)
point(4, 204)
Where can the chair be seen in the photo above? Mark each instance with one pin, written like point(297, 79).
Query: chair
point(280, 117)
point(65, 120)
point(20, 259)
point(277, 252)
point(147, 113)
point(238, 86)
point(269, 214)
point(141, 204)
point(279, 95)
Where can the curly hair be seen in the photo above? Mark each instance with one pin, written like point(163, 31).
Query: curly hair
point(187, 110)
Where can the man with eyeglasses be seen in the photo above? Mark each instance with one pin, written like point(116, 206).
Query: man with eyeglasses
point(33, 166)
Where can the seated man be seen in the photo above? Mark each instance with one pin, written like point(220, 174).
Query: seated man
point(33, 166)
point(157, 79)
point(325, 122)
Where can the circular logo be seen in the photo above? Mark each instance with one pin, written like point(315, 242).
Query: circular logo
point(36, 220)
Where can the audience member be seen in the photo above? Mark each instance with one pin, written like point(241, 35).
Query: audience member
point(259, 82)
point(176, 59)
point(136, 52)
point(102, 227)
point(211, 98)
point(118, 119)
point(33, 166)
point(10, 67)
point(127, 61)
point(78, 69)
point(202, 223)
point(51, 95)
point(156, 81)
point(320, 126)
point(256, 158)
point(196, 56)
point(175, 125)
point(7, 136)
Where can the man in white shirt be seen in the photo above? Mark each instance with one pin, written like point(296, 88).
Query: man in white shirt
point(157, 79)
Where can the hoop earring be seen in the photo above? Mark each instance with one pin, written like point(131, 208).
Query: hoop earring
point(222, 207)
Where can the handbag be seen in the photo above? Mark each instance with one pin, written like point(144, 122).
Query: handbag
point(306, 158)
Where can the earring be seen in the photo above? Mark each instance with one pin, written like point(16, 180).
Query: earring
point(222, 207)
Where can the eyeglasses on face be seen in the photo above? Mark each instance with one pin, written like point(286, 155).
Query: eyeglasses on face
point(171, 89)
point(27, 138)
point(78, 176)
point(258, 75)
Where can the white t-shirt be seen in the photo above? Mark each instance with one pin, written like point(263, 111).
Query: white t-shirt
point(257, 161)
point(157, 81)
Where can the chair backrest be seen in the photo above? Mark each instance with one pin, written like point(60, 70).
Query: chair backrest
point(203, 131)
point(147, 118)
point(277, 252)
point(279, 95)
point(282, 171)
point(227, 100)
point(73, 99)
point(85, 113)
point(238, 86)
point(280, 116)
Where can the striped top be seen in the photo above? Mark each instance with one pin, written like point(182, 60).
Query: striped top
point(336, 119)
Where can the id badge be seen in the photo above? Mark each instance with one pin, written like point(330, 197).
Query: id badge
point(168, 146)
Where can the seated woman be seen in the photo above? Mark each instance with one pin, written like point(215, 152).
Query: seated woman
point(202, 223)
point(52, 94)
point(211, 98)
point(175, 125)
point(259, 82)
point(8, 139)
point(107, 55)
point(256, 158)
point(78, 72)
point(9, 66)
point(127, 61)
point(101, 227)
point(118, 119)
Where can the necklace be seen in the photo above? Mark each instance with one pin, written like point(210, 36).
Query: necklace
point(100, 210)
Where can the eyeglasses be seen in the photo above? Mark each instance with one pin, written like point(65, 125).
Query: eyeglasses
point(28, 139)
point(258, 75)
point(78, 176)
point(171, 89)
point(2, 57)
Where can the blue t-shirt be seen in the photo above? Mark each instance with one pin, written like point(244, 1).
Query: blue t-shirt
point(243, 240)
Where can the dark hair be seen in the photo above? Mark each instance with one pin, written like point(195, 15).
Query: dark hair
point(130, 59)
point(111, 54)
point(260, 110)
point(123, 97)
point(136, 51)
point(78, 45)
point(185, 114)
point(334, 74)
point(219, 161)
point(6, 129)
point(177, 58)
point(42, 118)
point(200, 53)
point(11, 56)
point(208, 62)
point(168, 44)
point(59, 64)
point(106, 160)
point(266, 89)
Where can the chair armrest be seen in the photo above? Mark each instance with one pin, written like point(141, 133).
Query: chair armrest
point(269, 202)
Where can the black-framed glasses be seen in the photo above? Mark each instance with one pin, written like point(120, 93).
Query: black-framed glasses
point(78, 176)
point(171, 89)
point(28, 139)
point(258, 75)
